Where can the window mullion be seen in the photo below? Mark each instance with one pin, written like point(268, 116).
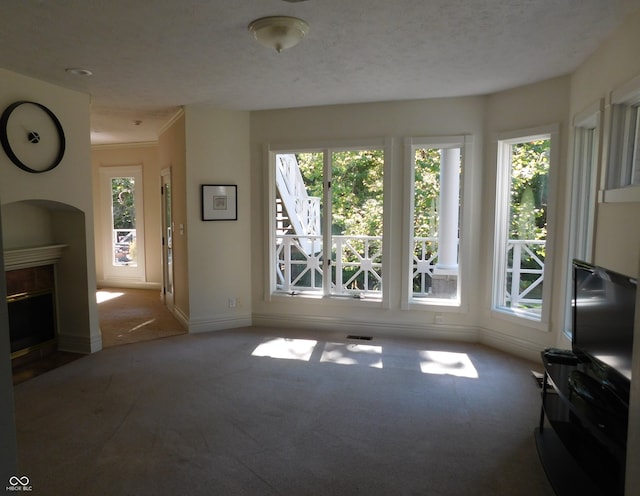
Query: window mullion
point(326, 224)
point(635, 146)
point(501, 216)
point(627, 146)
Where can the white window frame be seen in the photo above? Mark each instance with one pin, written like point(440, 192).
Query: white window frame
point(504, 141)
point(622, 175)
point(270, 151)
point(583, 176)
point(411, 144)
point(122, 275)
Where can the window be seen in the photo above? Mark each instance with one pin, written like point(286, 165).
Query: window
point(123, 246)
point(520, 249)
point(434, 171)
point(328, 221)
point(623, 168)
point(583, 197)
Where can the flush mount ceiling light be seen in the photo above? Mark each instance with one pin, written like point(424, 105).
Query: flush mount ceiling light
point(279, 32)
point(78, 71)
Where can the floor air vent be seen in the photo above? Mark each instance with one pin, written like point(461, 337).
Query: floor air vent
point(361, 338)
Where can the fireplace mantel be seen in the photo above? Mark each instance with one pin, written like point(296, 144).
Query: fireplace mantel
point(32, 257)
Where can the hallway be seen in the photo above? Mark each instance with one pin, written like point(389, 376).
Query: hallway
point(134, 315)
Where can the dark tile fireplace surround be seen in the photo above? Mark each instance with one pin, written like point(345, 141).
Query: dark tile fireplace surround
point(31, 302)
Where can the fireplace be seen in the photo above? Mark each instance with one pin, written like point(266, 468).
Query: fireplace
point(31, 299)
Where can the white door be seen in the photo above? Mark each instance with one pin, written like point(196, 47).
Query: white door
point(123, 228)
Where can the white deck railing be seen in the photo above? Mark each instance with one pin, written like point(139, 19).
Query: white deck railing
point(525, 272)
point(425, 257)
point(356, 264)
point(358, 269)
point(123, 247)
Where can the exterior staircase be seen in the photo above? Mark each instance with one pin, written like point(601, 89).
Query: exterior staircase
point(297, 213)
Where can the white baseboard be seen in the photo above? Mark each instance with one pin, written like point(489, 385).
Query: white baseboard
point(513, 345)
point(180, 316)
point(375, 329)
point(128, 283)
point(523, 348)
point(219, 324)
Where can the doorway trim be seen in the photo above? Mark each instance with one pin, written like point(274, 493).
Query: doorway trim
point(167, 238)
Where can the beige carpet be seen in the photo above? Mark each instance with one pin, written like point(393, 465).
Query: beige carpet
point(269, 412)
point(134, 315)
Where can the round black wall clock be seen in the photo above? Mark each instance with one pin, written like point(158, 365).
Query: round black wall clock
point(32, 136)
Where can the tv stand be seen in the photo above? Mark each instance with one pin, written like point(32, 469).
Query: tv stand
point(583, 447)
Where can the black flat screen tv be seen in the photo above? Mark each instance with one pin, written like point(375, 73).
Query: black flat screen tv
point(603, 316)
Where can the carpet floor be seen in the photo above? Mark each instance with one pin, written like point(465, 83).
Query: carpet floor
point(259, 411)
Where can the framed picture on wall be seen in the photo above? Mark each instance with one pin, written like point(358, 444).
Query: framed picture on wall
point(219, 202)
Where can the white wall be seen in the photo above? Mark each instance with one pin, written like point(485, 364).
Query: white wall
point(62, 197)
point(172, 155)
point(68, 182)
point(219, 252)
point(26, 225)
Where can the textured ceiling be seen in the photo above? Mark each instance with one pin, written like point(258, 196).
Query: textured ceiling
point(150, 57)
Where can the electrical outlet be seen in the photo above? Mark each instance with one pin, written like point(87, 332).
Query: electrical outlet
point(233, 302)
point(439, 319)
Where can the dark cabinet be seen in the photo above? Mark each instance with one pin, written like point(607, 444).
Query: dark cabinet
point(582, 434)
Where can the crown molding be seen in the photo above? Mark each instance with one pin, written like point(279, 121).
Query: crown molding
point(179, 113)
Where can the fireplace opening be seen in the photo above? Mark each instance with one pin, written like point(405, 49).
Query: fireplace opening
point(31, 320)
point(31, 304)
